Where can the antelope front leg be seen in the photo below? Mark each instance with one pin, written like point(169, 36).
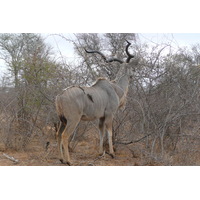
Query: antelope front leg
point(60, 144)
point(109, 130)
point(111, 151)
point(101, 134)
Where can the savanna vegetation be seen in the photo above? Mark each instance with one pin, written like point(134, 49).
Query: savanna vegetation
point(158, 126)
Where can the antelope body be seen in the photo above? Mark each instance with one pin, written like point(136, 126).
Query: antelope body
point(100, 101)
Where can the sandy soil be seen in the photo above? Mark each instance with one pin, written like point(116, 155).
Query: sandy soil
point(85, 153)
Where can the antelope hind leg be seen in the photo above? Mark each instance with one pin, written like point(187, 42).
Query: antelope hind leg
point(65, 158)
point(65, 140)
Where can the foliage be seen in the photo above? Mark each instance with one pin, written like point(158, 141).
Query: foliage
point(163, 96)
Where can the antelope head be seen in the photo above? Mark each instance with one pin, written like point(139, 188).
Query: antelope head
point(109, 60)
point(121, 82)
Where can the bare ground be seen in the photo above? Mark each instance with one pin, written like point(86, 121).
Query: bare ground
point(85, 153)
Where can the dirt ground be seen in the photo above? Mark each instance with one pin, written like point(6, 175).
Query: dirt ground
point(85, 153)
point(78, 159)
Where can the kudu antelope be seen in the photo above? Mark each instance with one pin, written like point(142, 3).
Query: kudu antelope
point(100, 101)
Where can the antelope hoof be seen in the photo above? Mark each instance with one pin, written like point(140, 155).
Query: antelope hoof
point(65, 162)
point(102, 153)
point(112, 155)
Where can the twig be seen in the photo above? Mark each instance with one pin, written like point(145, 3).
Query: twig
point(99, 157)
point(10, 158)
point(135, 141)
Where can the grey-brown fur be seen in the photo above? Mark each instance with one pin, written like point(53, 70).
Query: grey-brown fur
point(74, 105)
point(100, 101)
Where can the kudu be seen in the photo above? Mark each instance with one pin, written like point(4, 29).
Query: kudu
point(100, 101)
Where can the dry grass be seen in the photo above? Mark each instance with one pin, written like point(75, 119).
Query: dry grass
point(85, 151)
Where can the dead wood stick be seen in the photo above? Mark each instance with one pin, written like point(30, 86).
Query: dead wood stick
point(10, 158)
point(99, 157)
point(135, 141)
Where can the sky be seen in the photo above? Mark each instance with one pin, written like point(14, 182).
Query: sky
point(176, 39)
point(179, 39)
point(66, 48)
